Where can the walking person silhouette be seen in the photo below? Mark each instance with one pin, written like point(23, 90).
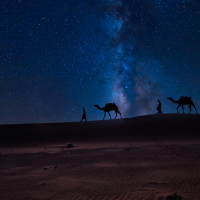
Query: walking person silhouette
point(159, 107)
point(84, 115)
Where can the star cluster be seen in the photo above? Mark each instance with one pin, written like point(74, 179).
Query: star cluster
point(57, 57)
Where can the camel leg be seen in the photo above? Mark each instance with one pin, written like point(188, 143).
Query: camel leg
point(190, 108)
point(104, 115)
point(183, 108)
point(194, 107)
point(120, 114)
point(177, 108)
point(109, 115)
point(117, 112)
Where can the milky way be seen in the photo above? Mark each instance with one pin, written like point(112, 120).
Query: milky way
point(58, 57)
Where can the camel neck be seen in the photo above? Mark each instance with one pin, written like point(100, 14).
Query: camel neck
point(174, 101)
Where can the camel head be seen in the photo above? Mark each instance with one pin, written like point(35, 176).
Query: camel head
point(170, 98)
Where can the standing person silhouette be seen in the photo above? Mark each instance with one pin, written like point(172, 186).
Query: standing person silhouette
point(84, 115)
point(159, 107)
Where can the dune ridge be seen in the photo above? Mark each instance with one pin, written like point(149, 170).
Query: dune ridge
point(166, 126)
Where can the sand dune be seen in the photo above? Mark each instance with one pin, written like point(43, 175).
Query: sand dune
point(167, 126)
point(146, 157)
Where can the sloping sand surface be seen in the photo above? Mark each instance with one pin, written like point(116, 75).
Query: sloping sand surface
point(148, 157)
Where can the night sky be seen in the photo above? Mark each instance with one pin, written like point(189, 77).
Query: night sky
point(59, 56)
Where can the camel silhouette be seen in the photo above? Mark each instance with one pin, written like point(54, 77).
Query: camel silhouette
point(183, 101)
point(109, 107)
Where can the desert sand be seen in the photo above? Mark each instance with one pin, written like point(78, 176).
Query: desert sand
point(147, 157)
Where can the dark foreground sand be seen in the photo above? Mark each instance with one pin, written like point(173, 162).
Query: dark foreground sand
point(148, 157)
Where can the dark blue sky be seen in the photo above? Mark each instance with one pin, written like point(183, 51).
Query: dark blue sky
point(57, 57)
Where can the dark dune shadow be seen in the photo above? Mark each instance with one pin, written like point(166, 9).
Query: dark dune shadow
point(148, 127)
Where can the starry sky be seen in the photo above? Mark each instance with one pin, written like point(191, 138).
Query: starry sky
point(57, 57)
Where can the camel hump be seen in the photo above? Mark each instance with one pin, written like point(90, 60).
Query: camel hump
point(114, 104)
point(108, 104)
point(186, 97)
point(111, 105)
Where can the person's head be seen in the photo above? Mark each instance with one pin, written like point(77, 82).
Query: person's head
point(83, 108)
point(158, 100)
